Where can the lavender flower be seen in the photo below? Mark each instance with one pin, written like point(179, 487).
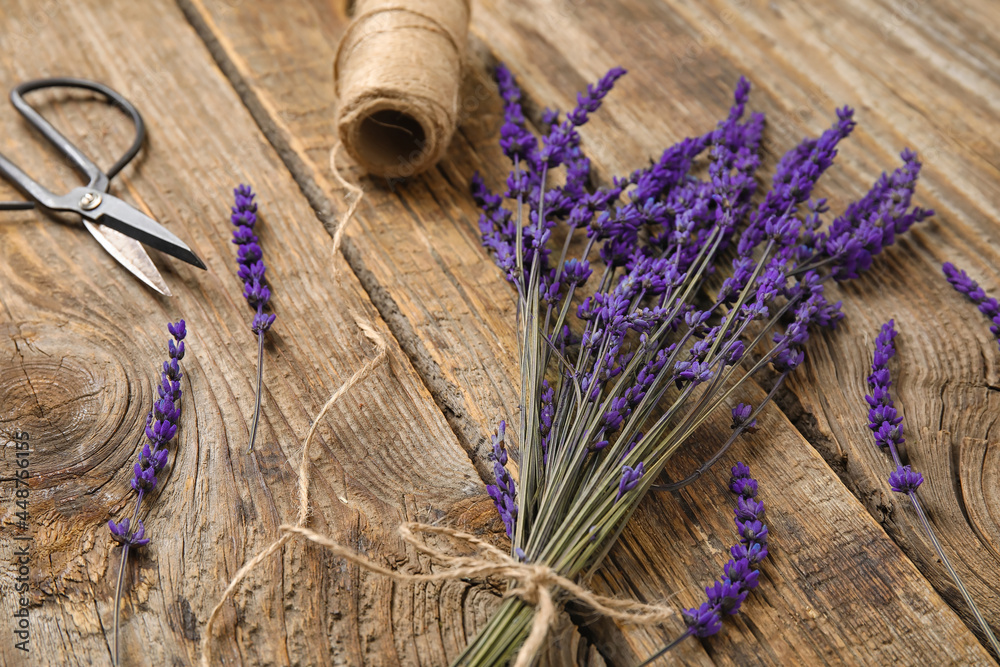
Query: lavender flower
point(888, 430)
point(161, 427)
point(872, 223)
point(504, 493)
point(595, 431)
point(630, 479)
point(988, 306)
point(249, 256)
point(741, 417)
point(726, 595)
point(120, 533)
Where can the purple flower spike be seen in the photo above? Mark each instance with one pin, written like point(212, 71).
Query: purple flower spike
point(727, 595)
point(883, 418)
point(161, 427)
point(249, 257)
point(888, 430)
point(504, 492)
point(873, 222)
point(988, 306)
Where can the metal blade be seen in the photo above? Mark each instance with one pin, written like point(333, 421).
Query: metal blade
point(112, 212)
point(129, 254)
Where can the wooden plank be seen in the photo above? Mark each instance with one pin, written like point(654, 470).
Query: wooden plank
point(414, 247)
point(80, 342)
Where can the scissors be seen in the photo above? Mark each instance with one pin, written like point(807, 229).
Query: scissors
point(119, 227)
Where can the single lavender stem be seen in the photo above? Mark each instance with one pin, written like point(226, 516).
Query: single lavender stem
point(250, 258)
point(888, 429)
point(665, 649)
point(727, 595)
point(260, 377)
point(161, 426)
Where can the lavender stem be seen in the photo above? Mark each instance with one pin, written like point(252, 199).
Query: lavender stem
point(118, 596)
point(887, 425)
point(954, 575)
point(665, 649)
point(260, 376)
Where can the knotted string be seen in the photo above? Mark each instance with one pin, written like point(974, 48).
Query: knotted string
point(536, 583)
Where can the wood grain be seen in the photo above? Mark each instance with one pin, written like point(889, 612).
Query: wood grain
point(839, 591)
point(80, 343)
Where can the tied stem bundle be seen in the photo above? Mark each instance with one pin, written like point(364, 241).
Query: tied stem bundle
point(658, 344)
point(536, 584)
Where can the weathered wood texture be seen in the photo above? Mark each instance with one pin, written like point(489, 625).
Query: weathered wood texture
point(839, 592)
point(838, 589)
point(80, 345)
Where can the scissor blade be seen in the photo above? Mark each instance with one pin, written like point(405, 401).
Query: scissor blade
point(129, 254)
point(121, 217)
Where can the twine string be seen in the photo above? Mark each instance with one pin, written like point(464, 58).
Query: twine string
point(536, 583)
point(358, 195)
point(303, 483)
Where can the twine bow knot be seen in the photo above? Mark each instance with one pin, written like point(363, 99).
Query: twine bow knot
point(537, 583)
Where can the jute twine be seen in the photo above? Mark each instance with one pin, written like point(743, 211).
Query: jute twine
point(397, 75)
point(357, 194)
point(536, 584)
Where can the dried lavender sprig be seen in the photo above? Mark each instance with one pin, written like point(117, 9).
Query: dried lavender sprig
point(161, 427)
point(988, 306)
point(255, 289)
point(887, 426)
point(741, 575)
point(504, 492)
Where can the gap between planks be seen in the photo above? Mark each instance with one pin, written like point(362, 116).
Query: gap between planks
point(407, 339)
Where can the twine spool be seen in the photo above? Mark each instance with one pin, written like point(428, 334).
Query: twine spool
point(397, 74)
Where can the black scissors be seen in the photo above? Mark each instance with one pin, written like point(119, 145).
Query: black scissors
point(117, 226)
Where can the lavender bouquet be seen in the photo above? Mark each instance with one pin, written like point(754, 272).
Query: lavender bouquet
point(629, 338)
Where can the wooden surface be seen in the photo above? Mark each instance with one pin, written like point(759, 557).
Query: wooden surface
point(237, 90)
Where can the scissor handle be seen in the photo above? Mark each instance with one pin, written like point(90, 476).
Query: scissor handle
point(98, 179)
